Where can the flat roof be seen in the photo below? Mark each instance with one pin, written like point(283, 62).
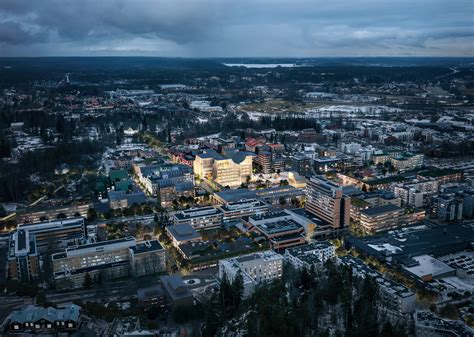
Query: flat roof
point(183, 232)
point(380, 210)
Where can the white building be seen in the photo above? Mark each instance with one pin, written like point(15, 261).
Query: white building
point(256, 268)
point(313, 254)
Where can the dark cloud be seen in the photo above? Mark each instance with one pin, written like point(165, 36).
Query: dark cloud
point(237, 28)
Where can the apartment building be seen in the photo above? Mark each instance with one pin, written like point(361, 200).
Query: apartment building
point(327, 201)
point(416, 194)
point(406, 162)
point(111, 259)
point(394, 296)
point(313, 254)
point(34, 320)
point(255, 268)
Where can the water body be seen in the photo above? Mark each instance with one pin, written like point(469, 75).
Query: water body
point(261, 65)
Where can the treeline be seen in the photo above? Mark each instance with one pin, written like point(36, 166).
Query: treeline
point(14, 178)
point(304, 303)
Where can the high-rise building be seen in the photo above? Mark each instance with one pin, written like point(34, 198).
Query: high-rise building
point(327, 201)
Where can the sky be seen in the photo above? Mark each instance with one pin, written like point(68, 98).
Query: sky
point(237, 28)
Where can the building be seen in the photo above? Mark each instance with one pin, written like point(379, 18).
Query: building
point(301, 164)
point(450, 208)
point(245, 207)
point(313, 254)
point(152, 298)
point(23, 262)
point(406, 162)
point(394, 296)
point(397, 246)
point(42, 214)
point(108, 259)
point(416, 194)
point(38, 320)
point(271, 195)
point(176, 291)
point(381, 218)
point(279, 229)
point(199, 218)
point(429, 325)
point(53, 235)
point(263, 160)
point(182, 233)
point(255, 268)
point(442, 176)
point(326, 200)
point(426, 268)
point(230, 169)
point(120, 199)
point(166, 182)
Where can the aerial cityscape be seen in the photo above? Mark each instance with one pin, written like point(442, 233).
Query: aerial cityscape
point(227, 176)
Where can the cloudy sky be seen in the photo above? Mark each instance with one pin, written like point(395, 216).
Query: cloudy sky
point(228, 28)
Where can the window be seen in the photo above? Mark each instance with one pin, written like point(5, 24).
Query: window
point(16, 327)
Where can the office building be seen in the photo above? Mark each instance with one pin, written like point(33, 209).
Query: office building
point(245, 207)
point(53, 235)
point(255, 268)
point(182, 233)
point(109, 259)
point(380, 218)
point(22, 258)
point(231, 169)
point(326, 200)
point(282, 229)
point(200, 218)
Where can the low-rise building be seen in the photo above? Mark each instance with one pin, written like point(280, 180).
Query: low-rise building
point(38, 320)
point(245, 207)
point(394, 296)
point(282, 229)
point(52, 235)
point(109, 259)
point(182, 233)
point(428, 324)
point(314, 254)
point(176, 291)
point(255, 268)
point(208, 217)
